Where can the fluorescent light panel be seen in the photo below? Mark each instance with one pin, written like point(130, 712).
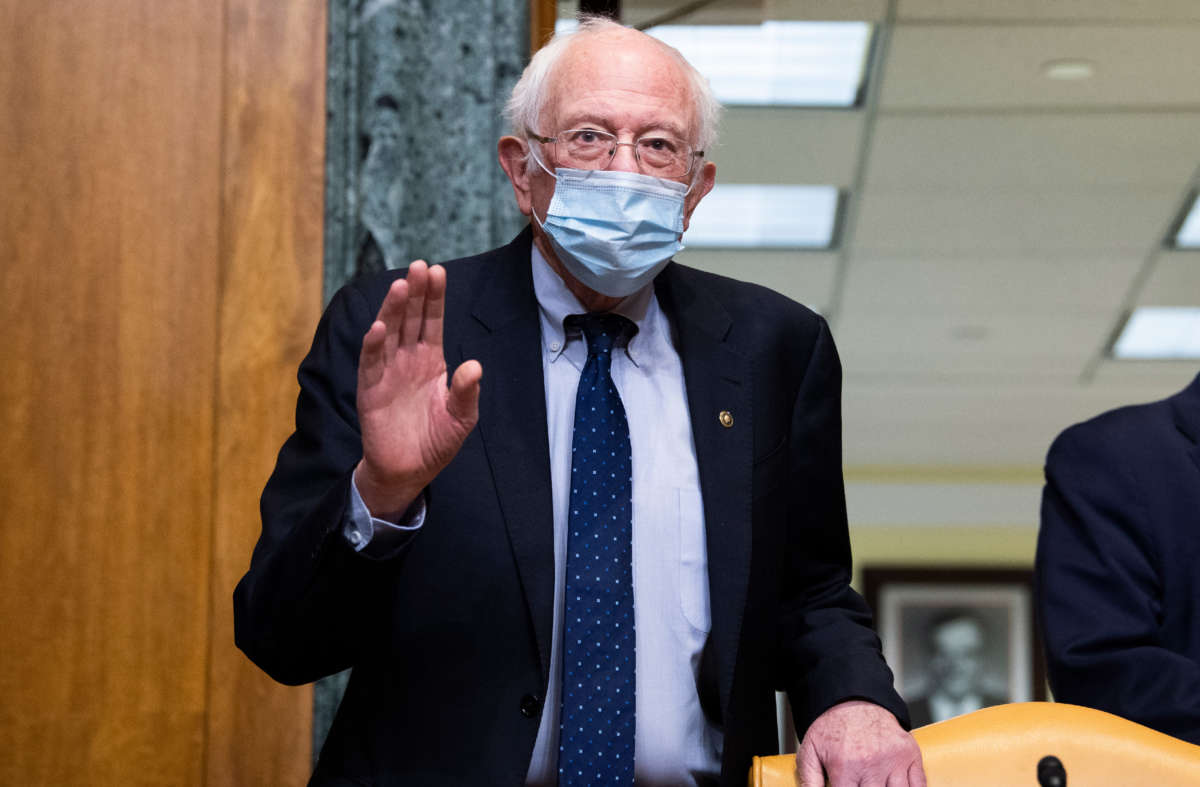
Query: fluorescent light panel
point(805, 64)
point(1189, 232)
point(1160, 333)
point(764, 216)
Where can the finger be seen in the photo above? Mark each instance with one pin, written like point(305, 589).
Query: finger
point(898, 778)
point(414, 309)
point(463, 402)
point(435, 306)
point(916, 774)
point(391, 314)
point(371, 355)
point(809, 766)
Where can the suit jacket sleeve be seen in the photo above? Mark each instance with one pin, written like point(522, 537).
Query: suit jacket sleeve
point(828, 647)
point(1099, 583)
point(304, 608)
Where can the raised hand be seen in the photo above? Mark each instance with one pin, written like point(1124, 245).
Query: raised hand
point(859, 743)
point(412, 423)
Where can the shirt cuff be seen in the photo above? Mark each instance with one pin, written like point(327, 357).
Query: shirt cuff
point(362, 530)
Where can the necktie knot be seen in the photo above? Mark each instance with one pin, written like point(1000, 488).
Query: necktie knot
point(602, 330)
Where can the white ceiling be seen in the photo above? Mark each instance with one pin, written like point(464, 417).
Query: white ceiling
point(998, 226)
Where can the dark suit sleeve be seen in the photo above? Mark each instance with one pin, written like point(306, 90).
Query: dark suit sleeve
point(1099, 588)
point(828, 649)
point(305, 607)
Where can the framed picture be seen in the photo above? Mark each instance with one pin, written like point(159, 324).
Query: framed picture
point(958, 639)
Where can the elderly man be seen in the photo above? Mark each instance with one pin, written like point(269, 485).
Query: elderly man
point(570, 512)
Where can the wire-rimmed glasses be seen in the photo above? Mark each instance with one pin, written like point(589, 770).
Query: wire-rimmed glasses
point(587, 148)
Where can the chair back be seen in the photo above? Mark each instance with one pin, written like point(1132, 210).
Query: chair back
point(1001, 746)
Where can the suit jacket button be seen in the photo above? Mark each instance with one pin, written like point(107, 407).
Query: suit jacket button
point(531, 706)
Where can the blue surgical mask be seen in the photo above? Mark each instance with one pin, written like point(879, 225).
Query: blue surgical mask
point(612, 230)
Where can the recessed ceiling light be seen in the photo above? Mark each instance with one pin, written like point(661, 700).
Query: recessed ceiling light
point(765, 216)
point(1160, 333)
point(1188, 236)
point(1068, 70)
point(808, 64)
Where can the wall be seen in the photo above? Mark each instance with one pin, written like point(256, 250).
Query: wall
point(160, 266)
point(939, 516)
point(997, 546)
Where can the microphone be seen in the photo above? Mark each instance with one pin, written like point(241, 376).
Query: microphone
point(1051, 772)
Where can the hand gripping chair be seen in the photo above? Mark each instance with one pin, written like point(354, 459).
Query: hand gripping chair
point(1002, 745)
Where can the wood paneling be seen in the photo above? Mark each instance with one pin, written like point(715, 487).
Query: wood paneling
point(542, 16)
point(270, 303)
point(109, 135)
point(160, 182)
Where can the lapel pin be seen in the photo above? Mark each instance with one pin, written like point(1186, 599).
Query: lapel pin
point(726, 418)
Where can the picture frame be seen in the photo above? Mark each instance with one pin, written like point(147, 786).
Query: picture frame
point(958, 638)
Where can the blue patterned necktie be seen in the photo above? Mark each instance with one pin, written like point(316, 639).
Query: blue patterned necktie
point(597, 724)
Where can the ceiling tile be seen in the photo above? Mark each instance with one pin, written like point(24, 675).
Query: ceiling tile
point(867, 10)
point(972, 345)
point(1151, 379)
point(937, 66)
point(1034, 150)
point(1174, 280)
point(720, 12)
point(1056, 10)
point(803, 276)
point(945, 427)
point(1009, 286)
point(1106, 221)
point(788, 145)
point(1009, 423)
point(732, 12)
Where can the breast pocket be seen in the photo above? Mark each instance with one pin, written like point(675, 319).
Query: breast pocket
point(693, 561)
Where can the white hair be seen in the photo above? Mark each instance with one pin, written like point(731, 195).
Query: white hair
point(524, 108)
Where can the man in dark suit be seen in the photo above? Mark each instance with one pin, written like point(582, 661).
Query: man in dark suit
point(1118, 564)
point(574, 533)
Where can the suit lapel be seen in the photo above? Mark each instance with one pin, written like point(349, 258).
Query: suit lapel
point(717, 380)
point(512, 425)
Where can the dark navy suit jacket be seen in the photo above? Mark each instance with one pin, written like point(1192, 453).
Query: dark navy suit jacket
point(450, 640)
point(1118, 564)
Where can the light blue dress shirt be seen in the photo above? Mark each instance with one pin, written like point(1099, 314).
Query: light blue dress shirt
point(674, 743)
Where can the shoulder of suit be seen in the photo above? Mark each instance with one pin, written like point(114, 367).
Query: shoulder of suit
point(1132, 428)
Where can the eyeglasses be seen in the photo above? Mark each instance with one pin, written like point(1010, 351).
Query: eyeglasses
point(588, 148)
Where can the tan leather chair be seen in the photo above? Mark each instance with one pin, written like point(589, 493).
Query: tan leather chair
point(1001, 746)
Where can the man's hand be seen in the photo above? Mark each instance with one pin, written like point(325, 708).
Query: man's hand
point(412, 424)
point(859, 743)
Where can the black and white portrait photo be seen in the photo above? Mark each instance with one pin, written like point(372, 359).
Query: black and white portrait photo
point(958, 640)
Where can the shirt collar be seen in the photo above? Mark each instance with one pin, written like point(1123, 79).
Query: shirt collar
point(556, 302)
